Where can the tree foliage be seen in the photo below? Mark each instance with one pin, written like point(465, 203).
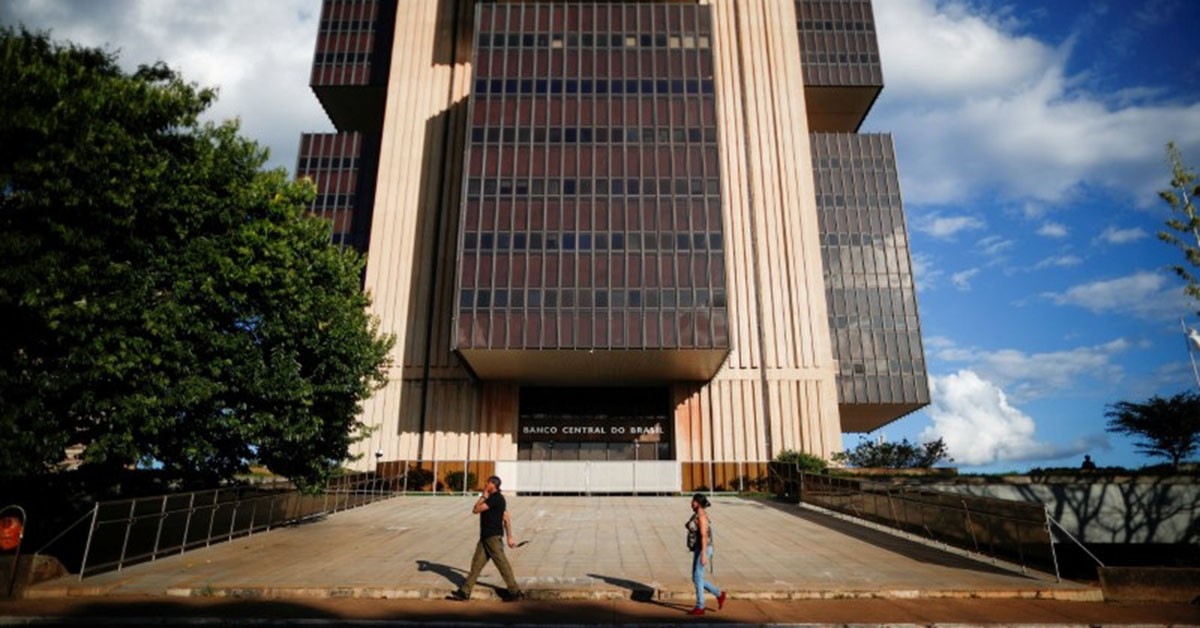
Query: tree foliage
point(166, 300)
point(806, 461)
point(1184, 222)
point(901, 455)
point(1167, 428)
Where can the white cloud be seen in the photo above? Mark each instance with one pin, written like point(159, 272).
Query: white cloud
point(1034, 375)
point(924, 273)
point(980, 426)
point(1112, 235)
point(962, 279)
point(1058, 261)
point(258, 52)
point(938, 342)
point(1035, 132)
point(1144, 294)
point(1052, 230)
point(946, 227)
point(994, 245)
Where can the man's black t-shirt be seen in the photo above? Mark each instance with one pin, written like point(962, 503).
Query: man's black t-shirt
point(491, 521)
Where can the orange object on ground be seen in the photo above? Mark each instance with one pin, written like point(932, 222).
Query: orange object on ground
point(10, 532)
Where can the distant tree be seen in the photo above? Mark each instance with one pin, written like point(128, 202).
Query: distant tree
point(1184, 221)
point(1168, 428)
point(901, 455)
point(166, 301)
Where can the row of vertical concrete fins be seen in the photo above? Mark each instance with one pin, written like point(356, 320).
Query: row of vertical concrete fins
point(428, 406)
point(776, 389)
point(790, 370)
point(868, 280)
point(776, 294)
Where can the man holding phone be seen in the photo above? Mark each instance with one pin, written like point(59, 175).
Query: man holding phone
point(494, 520)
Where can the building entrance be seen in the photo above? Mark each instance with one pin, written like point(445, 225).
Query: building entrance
point(594, 424)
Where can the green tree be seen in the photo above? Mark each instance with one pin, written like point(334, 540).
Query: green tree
point(1168, 428)
point(901, 455)
point(167, 300)
point(806, 461)
point(1184, 221)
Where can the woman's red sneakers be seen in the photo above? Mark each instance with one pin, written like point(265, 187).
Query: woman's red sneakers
point(721, 601)
point(696, 611)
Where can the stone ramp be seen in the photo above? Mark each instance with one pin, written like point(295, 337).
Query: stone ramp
point(579, 548)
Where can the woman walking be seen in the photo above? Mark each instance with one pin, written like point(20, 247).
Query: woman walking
point(700, 542)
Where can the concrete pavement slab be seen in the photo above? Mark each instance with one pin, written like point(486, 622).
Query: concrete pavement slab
point(579, 548)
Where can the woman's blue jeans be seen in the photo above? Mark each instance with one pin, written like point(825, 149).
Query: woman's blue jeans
point(702, 585)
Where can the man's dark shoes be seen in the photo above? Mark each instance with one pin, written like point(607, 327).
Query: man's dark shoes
point(458, 596)
point(506, 596)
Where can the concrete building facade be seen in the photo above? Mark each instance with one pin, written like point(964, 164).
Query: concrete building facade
point(629, 231)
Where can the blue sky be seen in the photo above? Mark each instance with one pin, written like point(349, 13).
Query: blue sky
point(1030, 138)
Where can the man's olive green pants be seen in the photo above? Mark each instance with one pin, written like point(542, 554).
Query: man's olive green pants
point(490, 548)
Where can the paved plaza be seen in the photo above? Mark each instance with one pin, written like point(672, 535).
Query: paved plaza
point(578, 548)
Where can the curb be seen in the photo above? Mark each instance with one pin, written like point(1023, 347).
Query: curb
point(485, 593)
point(258, 621)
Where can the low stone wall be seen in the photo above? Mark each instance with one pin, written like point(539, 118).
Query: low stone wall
point(1150, 584)
point(31, 569)
point(1102, 509)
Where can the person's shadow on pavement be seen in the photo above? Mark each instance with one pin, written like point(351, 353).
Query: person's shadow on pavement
point(455, 575)
point(639, 591)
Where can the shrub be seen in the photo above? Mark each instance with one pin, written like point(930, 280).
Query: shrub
point(454, 482)
point(806, 462)
point(751, 484)
point(417, 478)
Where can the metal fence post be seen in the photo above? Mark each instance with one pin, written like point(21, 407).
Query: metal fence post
point(404, 482)
point(635, 468)
point(1053, 552)
point(711, 479)
point(212, 517)
point(162, 514)
point(128, 525)
point(233, 519)
point(88, 546)
point(971, 527)
point(187, 524)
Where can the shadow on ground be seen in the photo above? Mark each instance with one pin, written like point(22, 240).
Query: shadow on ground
point(891, 543)
point(352, 611)
point(454, 575)
point(639, 591)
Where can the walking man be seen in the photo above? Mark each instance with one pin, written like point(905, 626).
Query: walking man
point(494, 520)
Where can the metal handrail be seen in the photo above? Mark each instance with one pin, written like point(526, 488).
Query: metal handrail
point(172, 520)
point(943, 519)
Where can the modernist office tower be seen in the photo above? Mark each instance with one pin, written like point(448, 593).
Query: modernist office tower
point(618, 231)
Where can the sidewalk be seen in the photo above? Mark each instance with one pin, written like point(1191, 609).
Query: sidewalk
point(591, 548)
